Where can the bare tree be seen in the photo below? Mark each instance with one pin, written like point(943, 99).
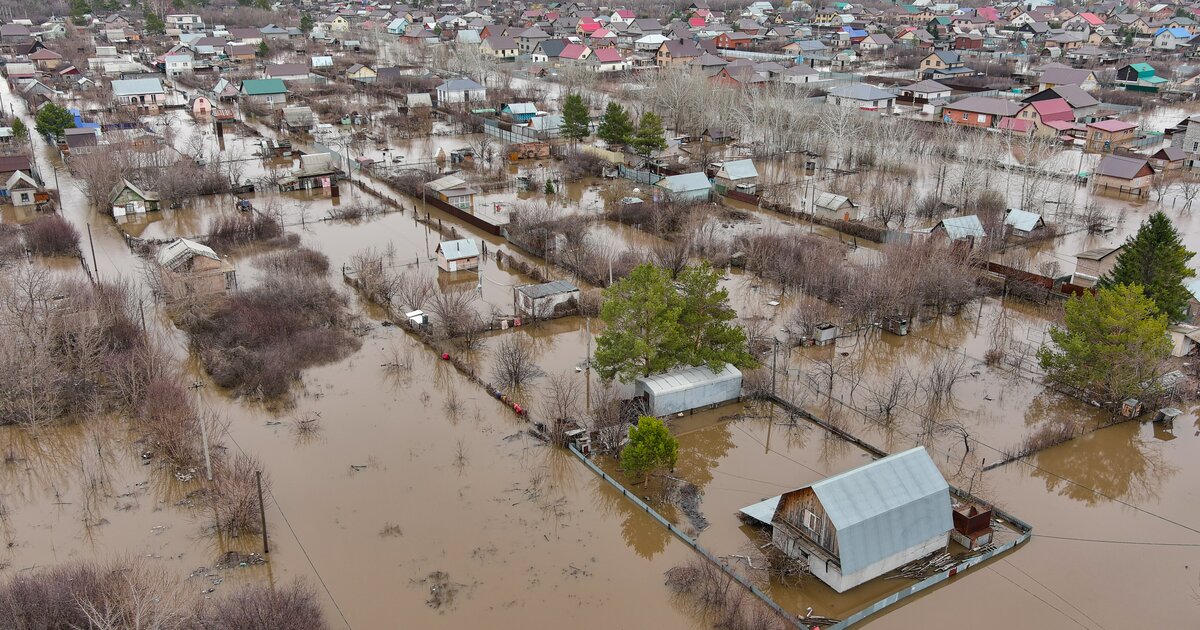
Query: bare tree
point(893, 394)
point(514, 362)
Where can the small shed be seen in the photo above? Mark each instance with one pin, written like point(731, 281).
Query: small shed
point(1023, 223)
point(458, 255)
point(454, 191)
point(688, 388)
point(686, 187)
point(127, 198)
point(1093, 263)
point(739, 175)
point(542, 301)
point(827, 205)
point(965, 228)
point(191, 269)
point(854, 527)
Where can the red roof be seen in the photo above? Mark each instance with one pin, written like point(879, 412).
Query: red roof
point(1061, 125)
point(1092, 18)
point(1112, 125)
point(573, 51)
point(625, 14)
point(1015, 124)
point(1054, 109)
point(607, 55)
point(696, 21)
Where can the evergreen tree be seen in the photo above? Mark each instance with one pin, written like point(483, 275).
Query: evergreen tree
point(263, 50)
point(1111, 345)
point(651, 447)
point(615, 126)
point(306, 23)
point(710, 336)
point(549, 187)
point(649, 137)
point(20, 131)
point(79, 11)
point(52, 120)
point(575, 120)
point(265, 5)
point(1156, 259)
point(154, 24)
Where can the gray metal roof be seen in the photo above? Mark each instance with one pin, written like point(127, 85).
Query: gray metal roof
point(462, 248)
point(556, 287)
point(1022, 219)
point(963, 227)
point(885, 507)
point(135, 87)
point(1120, 167)
point(684, 378)
point(183, 250)
point(829, 201)
point(861, 92)
point(740, 169)
point(762, 511)
point(686, 182)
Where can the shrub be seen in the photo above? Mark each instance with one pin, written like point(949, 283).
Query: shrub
point(230, 230)
point(52, 235)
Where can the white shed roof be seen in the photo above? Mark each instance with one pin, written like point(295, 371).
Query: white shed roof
point(740, 169)
point(1022, 219)
point(183, 250)
point(684, 378)
point(685, 182)
point(457, 250)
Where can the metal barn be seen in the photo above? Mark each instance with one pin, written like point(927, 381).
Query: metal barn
point(688, 388)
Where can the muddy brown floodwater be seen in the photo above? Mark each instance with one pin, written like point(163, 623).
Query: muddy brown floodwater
point(422, 503)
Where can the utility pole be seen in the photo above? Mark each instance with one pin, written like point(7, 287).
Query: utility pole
point(774, 356)
point(262, 510)
point(95, 268)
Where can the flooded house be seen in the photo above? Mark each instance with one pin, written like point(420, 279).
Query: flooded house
point(298, 118)
point(545, 299)
point(835, 207)
point(128, 198)
point(859, 525)
point(22, 189)
point(736, 175)
point(270, 92)
point(142, 94)
point(317, 170)
point(688, 388)
point(458, 255)
point(191, 269)
point(1126, 174)
point(686, 187)
point(1022, 223)
point(965, 228)
point(454, 191)
point(1094, 263)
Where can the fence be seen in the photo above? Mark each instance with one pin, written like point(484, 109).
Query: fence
point(1046, 282)
point(790, 618)
point(638, 175)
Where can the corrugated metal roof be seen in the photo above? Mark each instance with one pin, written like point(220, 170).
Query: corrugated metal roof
point(763, 511)
point(1022, 219)
point(885, 507)
point(829, 201)
point(683, 378)
point(134, 87)
point(462, 248)
point(963, 227)
point(182, 250)
point(740, 169)
point(556, 287)
point(686, 182)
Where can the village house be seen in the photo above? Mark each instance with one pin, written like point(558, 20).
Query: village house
point(500, 47)
point(966, 228)
point(460, 91)
point(676, 52)
point(608, 60)
point(1171, 38)
point(270, 92)
point(979, 111)
point(127, 198)
point(10, 165)
point(1042, 113)
point(686, 187)
point(1022, 223)
point(1055, 75)
point(316, 170)
point(360, 73)
point(459, 255)
point(286, 71)
point(189, 269)
point(142, 94)
point(1140, 77)
point(735, 175)
point(861, 524)
point(862, 96)
point(1126, 174)
point(20, 189)
point(834, 207)
point(542, 301)
point(1106, 136)
point(454, 191)
point(924, 91)
point(183, 23)
point(1092, 264)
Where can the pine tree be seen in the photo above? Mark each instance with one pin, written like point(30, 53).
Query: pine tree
point(615, 127)
point(53, 119)
point(155, 24)
point(306, 23)
point(649, 137)
point(575, 120)
point(651, 447)
point(1156, 259)
point(549, 187)
point(20, 131)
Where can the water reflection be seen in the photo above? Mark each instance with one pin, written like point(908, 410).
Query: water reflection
point(642, 533)
point(1117, 462)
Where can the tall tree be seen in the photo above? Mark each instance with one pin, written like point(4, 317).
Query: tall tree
point(53, 119)
point(1111, 346)
point(79, 12)
point(154, 24)
point(706, 321)
point(651, 447)
point(642, 316)
point(1156, 259)
point(655, 323)
point(20, 131)
point(576, 122)
point(649, 137)
point(615, 126)
point(306, 23)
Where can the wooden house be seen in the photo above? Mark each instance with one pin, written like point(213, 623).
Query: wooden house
point(188, 268)
point(459, 255)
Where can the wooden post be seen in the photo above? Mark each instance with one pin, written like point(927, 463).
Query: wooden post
point(208, 459)
point(262, 510)
point(95, 269)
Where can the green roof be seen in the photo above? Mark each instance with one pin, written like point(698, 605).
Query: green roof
point(1154, 80)
point(259, 87)
point(1142, 67)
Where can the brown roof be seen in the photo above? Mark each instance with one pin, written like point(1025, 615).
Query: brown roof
point(10, 163)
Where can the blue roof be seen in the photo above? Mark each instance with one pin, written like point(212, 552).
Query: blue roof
point(1181, 33)
point(854, 32)
point(740, 169)
point(686, 182)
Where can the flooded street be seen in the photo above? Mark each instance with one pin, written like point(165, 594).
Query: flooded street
point(423, 502)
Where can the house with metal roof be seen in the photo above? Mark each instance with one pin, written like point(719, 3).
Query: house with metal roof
point(128, 198)
point(687, 388)
point(458, 255)
point(861, 96)
point(829, 205)
point(460, 91)
point(1127, 174)
point(1090, 265)
point(1022, 222)
point(141, 93)
point(686, 187)
point(980, 111)
point(545, 300)
point(739, 175)
point(960, 228)
point(270, 92)
point(859, 525)
point(454, 191)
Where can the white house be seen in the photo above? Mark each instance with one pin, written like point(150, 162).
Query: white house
point(178, 63)
point(183, 23)
point(854, 527)
point(1171, 38)
point(460, 91)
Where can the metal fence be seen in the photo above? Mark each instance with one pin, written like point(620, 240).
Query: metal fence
point(637, 175)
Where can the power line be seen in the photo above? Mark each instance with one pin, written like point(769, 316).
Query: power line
point(1117, 542)
point(1037, 597)
point(1065, 600)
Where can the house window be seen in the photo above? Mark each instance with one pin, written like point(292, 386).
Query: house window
point(966, 116)
point(982, 118)
point(810, 520)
